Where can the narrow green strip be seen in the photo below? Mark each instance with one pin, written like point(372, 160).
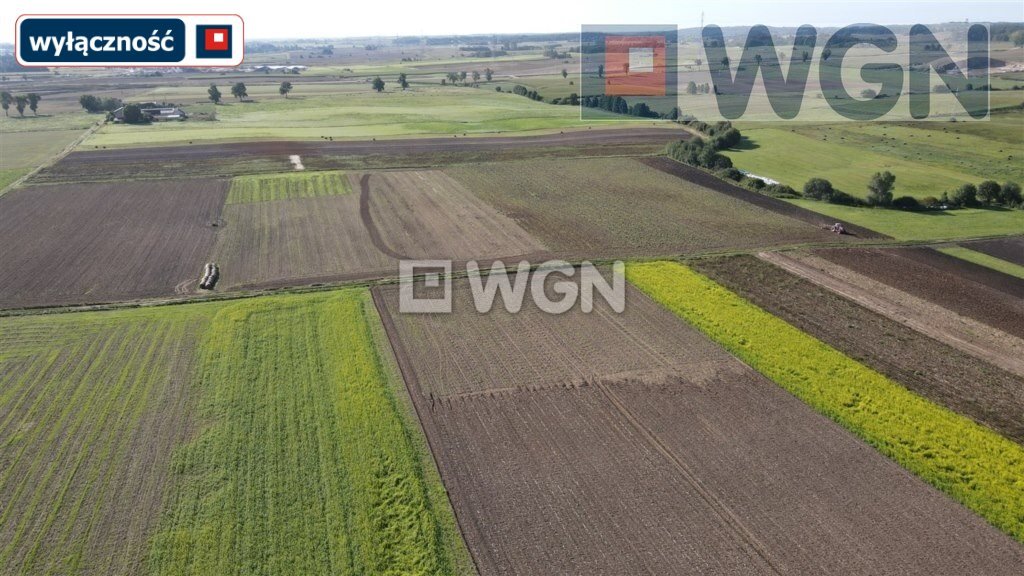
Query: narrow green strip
point(267, 187)
point(985, 260)
point(975, 466)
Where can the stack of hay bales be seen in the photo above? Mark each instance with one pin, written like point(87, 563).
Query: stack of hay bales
point(210, 275)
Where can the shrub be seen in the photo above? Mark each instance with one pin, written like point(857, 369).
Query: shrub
point(989, 192)
point(1010, 194)
point(755, 183)
point(818, 189)
point(966, 196)
point(906, 203)
point(781, 191)
point(730, 174)
point(929, 201)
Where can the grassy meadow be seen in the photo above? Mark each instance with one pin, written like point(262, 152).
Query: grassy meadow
point(352, 111)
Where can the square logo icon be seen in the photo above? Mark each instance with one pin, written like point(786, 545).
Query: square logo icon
point(635, 65)
point(213, 41)
point(424, 286)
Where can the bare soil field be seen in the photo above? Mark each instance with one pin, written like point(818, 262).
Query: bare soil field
point(1009, 249)
point(966, 270)
point(96, 243)
point(980, 340)
point(427, 214)
point(613, 207)
point(404, 214)
point(296, 241)
point(904, 270)
point(233, 159)
point(692, 464)
point(702, 178)
point(937, 371)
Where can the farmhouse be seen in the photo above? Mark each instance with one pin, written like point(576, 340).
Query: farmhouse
point(155, 112)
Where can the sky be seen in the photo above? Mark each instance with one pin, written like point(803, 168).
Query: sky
point(350, 18)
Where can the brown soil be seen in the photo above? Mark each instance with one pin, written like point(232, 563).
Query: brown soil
point(619, 207)
point(698, 176)
point(1009, 249)
point(697, 465)
point(230, 159)
point(939, 372)
point(95, 243)
point(903, 269)
point(967, 270)
point(979, 340)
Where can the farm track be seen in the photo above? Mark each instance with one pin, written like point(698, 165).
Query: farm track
point(1009, 249)
point(975, 338)
point(698, 176)
point(938, 371)
point(904, 270)
point(587, 473)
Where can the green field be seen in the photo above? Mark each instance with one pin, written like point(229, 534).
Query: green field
point(351, 112)
point(927, 161)
point(985, 260)
point(929, 225)
point(268, 436)
point(24, 151)
point(267, 187)
point(974, 465)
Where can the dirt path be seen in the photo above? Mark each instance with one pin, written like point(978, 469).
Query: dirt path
point(979, 340)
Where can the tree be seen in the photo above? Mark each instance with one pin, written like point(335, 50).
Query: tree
point(402, 81)
point(476, 76)
point(1017, 38)
point(725, 61)
point(600, 71)
point(826, 54)
point(488, 74)
point(758, 58)
point(691, 87)
point(880, 188)
point(285, 88)
point(20, 102)
point(33, 102)
point(5, 100)
point(133, 115)
point(965, 195)
point(1010, 194)
point(818, 189)
point(214, 94)
point(989, 192)
point(89, 102)
point(462, 77)
point(378, 84)
point(565, 73)
point(805, 56)
point(239, 91)
point(869, 94)
point(453, 77)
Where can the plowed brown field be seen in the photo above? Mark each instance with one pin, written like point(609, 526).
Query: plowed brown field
point(693, 464)
point(94, 243)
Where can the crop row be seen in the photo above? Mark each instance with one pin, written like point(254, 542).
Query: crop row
point(305, 465)
point(971, 463)
point(266, 187)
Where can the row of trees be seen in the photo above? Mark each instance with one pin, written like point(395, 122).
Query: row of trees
point(240, 92)
point(95, 104)
point(463, 77)
point(30, 100)
point(882, 185)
